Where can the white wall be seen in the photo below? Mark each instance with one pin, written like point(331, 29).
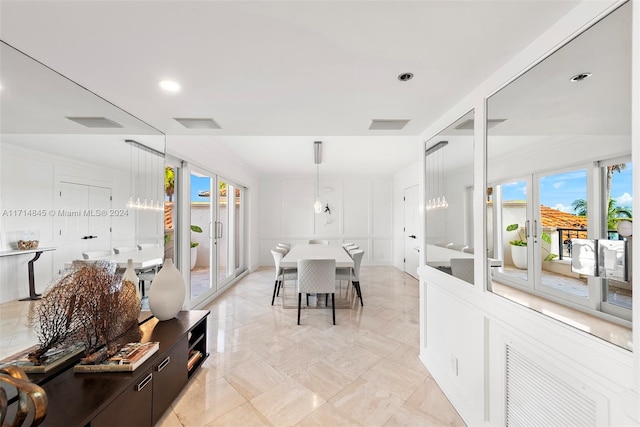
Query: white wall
point(466, 330)
point(361, 212)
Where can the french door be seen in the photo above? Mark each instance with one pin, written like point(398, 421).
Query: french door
point(534, 219)
point(217, 233)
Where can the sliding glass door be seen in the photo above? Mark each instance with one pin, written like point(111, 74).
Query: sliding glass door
point(217, 234)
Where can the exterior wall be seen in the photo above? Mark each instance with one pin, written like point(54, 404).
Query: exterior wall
point(466, 331)
point(361, 212)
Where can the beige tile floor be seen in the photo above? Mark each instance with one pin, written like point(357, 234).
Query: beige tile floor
point(263, 369)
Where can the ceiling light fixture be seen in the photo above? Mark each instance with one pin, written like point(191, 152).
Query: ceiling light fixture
point(169, 85)
point(317, 158)
point(404, 77)
point(580, 77)
point(435, 177)
point(149, 192)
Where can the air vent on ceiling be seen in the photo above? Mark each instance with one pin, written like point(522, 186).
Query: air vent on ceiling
point(197, 123)
point(468, 124)
point(95, 122)
point(387, 124)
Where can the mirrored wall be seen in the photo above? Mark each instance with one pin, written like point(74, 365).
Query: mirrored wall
point(559, 170)
point(78, 174)
point(449, 199)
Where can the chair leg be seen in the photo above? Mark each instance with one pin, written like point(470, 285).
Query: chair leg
point(275, 288)
point(299, 302)
point(333, 307)
point(359, 291)
point(307, 299)
point(279, 286)
point(326, 300)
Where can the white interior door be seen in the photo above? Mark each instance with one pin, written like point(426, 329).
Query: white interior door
point(411, 226)
point(81, 222)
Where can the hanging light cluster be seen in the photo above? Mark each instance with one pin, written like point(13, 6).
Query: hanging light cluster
point(144, 195)
point(435, 177)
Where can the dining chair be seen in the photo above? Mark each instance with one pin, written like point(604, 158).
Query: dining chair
point(95, 254)
point(317, 276)
point(353, 274)
point(443, 244)
point(142, 246)
point(284, 246)
point(457, 246)
point(281, 274)
point(468, 250)
point(124, 249)
point(352, 249)
point(462, 268)
point(318, 242)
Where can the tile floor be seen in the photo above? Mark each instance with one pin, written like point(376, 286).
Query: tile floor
point(263, 369)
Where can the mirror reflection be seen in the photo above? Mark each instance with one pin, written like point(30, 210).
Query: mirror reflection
point(559, 173)
point(80, 178)
point(449, 199)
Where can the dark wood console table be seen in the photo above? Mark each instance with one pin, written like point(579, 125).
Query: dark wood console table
point(137, 398)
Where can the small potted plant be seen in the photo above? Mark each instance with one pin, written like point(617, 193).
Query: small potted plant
point(519, 247)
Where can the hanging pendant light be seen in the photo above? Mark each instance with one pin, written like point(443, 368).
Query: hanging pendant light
point(142, 194)
point(437, 199)
point(317, 155)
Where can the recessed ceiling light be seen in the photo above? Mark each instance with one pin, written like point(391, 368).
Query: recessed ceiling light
point(405, 77)
point(169, 85)
point(580, 77)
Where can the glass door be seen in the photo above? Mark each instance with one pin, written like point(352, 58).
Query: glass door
point(513, 220)
point(561, 215)
point(229, 231)
point(202, 244)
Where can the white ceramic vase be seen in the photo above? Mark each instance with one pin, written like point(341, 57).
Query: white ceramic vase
point(167, 292)
point(130, 275)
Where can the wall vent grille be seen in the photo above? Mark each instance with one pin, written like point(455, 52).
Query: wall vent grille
point(535, 397)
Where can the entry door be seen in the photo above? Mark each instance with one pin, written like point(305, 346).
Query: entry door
point(411, 227)
point(82, 221)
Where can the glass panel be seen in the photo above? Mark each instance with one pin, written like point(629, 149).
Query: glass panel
point(563, 216)
point(201, 220)
point(449, 175)
point(224, 228)
point(572, 108)
point(170, 212)
point(237, 220)
point(618, 191)
point(513, 220)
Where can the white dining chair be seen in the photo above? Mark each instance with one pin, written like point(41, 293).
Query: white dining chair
point(125, 249)
point(318, 242)
point(462, 268)
point(457, 246)
point(281, 274)
point(142, 246)
point(353, 274)
point(96, 254)
point(317, 276)
point(285, 246)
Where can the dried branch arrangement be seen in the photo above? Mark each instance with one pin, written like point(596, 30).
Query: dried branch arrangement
point(90, 304)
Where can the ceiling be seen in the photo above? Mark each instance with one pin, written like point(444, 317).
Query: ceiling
point(277, 75)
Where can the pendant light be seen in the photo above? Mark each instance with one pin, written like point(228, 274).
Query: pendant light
point(435, 158)
point(142, 194)
point(317, 156)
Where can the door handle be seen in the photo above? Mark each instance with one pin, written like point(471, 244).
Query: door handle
point(413, 236)
point(218, 230)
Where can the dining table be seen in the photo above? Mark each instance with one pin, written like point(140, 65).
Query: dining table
point(144, 259)
point(438, 256)
point(317, 251)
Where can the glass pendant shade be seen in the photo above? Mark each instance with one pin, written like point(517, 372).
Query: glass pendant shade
point(317, 206)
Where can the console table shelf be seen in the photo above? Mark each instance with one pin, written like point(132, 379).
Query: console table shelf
point(137, 398)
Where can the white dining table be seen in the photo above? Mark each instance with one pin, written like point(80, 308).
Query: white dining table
point(317, 251)
point(437, 256)
point(144, 259)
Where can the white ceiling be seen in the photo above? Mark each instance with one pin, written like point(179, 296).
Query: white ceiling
point(277, 75)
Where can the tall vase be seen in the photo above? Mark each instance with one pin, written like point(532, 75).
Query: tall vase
point(130, 275)
point(167, 292)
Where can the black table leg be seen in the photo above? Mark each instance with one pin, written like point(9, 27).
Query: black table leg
point(32, 282)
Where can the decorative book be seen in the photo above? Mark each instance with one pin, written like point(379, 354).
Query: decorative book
point(50, 361)
point(194, 356)
point(127, 359)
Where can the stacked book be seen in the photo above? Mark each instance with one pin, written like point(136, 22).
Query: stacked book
point(129, 357)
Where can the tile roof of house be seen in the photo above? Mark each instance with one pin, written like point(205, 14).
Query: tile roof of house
point(558, 219)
